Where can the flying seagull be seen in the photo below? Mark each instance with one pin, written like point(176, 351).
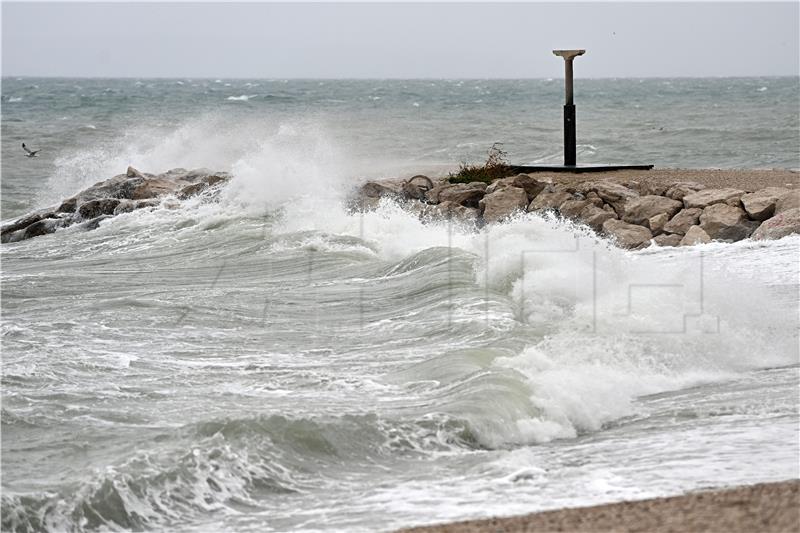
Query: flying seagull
point(29, 152)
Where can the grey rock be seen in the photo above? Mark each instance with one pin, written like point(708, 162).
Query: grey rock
point(760, 205)
point(550, 198)
point(708, 197)
point(95, 208)
point(126, 206)
point(68, 206)
point(595, 217)
point(683, 220)
point(789, 201)
point(652, 189)
point(529, 184)
point(639, 210)
point(627, 235)
point(417, 186)
point(573, 208)
point(42, 227)
point(192, 190)
point(781, 225)
point(453, 211)
point(466, 194)
point(656, 223)
point(93, 223)
point(133, 173)
point(694, 235)
point(666, 239)
point(725, 222)
point(27, 220)
point(677, 191)
point(614, 194)
point(381, 189)
point(503, 203)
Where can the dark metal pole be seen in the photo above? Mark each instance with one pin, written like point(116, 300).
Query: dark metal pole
point(570, 141)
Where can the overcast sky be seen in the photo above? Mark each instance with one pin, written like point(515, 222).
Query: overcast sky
point(451, 40)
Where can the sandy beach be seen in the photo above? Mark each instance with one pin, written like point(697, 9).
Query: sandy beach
point(744, 179)
point(766, 507)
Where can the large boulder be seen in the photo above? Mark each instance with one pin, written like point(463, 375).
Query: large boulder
point(656, 223)
point(677, 191)
point(667, 239)
point(155, 187)
point(192, 190)
point(95, 208)
point(42, 227)
point(595, 217)
point(790, 200)
point(627, 235)
point(573, 208)
point(683, 220)
point(708, 197)
point(417, 187)
point(725, 222)
point(531, 185)
point(126, 206)
point(503, 203)
point(68, 206)
point(694, 235)
point(652, 188)
point(381, 189)
point(783, 224)
point(760, 205)
point(550, 198)
point(453, 211)
point(26, 221)
point(121, 186)
point(466, 194)
point(133, 173)
point(639, 210)
point(614, 194)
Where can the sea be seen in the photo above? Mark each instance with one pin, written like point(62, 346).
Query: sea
point(275, 361)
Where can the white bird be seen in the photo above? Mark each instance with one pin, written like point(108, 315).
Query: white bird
point(29, 152)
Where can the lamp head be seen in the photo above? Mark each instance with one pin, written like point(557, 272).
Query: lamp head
point(569, 54)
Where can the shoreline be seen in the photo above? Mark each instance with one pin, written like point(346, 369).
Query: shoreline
point(765, 507)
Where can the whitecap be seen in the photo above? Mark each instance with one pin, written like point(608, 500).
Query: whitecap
point(241, 98)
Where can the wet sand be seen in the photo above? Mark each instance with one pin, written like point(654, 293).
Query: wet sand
point(764, 508)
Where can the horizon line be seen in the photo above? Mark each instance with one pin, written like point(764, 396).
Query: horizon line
point(368, 78)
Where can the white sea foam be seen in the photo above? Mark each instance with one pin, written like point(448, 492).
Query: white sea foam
point(241, 98)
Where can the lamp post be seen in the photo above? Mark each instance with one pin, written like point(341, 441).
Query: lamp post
point(569, 106)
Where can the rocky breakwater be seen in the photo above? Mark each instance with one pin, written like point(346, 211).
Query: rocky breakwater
point(120, 194)
point(634, 214)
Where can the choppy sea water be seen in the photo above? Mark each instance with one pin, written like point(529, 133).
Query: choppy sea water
point(273, 362)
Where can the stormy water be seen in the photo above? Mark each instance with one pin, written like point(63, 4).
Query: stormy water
point(272, 361)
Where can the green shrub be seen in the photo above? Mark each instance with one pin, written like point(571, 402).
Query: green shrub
point(495, 167)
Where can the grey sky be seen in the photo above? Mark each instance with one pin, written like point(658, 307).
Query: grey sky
point(398, 40)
